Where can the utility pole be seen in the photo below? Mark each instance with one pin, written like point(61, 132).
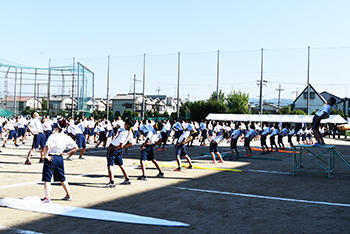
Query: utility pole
point(261, 80)
point(279, 96)
point(134, 99)
point(15, 91)
point(158, 90)
point(107, 106)
point(178, 86)
point(308, 81)
point(73, 80)
point(217, 75)
point(296, 94)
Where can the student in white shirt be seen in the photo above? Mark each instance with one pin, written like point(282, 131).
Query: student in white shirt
point(53, 163)
point(35, 127)
point(114, 152)
point(180, 150)
point(146, 152)
point(10, 128)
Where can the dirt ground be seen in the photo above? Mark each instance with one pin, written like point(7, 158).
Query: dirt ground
point(191, 196)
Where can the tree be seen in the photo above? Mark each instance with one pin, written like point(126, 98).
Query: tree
point(285, 110)
point(221, 96)
point(117, 114)
point(238, 102)
point(298, 112)
point(166, 114)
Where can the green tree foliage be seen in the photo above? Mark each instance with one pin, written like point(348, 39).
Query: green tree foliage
point(200, 109)
point(117, 114)
point(238, 102)
point(285, 110)
point(213, 96)
point(298, 112)
point(166, 114)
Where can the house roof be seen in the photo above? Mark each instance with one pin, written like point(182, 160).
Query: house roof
point(311, 88)
point(327, 95)
point(19, 99)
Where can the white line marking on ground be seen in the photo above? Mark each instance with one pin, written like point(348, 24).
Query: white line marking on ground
point(265, 197)
point(15, 230)
point(35, 182)
point(270, 172)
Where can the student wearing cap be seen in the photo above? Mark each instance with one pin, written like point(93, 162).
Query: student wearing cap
point(146, 151)
point(53, 160)
point(180, 150)
point(322, 113)
point(35, 128)
point(122, 141)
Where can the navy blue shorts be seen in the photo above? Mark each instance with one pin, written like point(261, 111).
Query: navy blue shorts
point(213, 147)
point(0, 129)
point(114, 157)
point(233, 144)
point(90, 131)
point(80, 140)
point(12, 134)
point(316, 123)
point(147, 153)
point(272, 140)
point(164, 137)
point(39, 140)
point(247, 142)
point(110, 133)
point(210, 133)
point(280, 139)
point(47, 134)
point(55, 168)
point(180, 150)
point(178, 133)
point(263, 140)
point(21, 132)
point(102, 136)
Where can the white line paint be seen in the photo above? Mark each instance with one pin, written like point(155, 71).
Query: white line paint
point(270, 172)
point(36, 182)
point(266, 197)
point(16, 230)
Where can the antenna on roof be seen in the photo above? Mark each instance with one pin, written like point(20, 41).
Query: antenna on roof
point(158, 90)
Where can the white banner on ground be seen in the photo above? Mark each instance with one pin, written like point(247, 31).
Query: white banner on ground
point(34, 204)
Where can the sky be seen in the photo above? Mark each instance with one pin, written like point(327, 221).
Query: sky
point(32, 32)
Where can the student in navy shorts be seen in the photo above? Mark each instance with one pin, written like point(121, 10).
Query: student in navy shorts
point(35, 127)
point(53, 160)
point(180, 150)
point(115, 149)
point(146, 151)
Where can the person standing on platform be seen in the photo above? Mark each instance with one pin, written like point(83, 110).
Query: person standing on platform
point(322, 113)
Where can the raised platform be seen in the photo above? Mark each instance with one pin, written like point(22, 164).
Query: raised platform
point(324, 155)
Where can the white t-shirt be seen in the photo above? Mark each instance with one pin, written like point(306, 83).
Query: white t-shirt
point(123, 137)
point(184, 136)
point(35, 126)
point(58, 142)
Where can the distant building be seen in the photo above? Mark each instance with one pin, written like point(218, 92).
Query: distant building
point(159, 103)
point(267, 107)
point(316, 101)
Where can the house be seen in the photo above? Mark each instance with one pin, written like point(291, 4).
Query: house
point(267, 107)
point(316, 101)
point(100, 104)
point(21, 103)
point(327, 96)
point(154, 103)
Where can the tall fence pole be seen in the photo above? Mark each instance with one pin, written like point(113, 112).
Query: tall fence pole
point(308, 81)
point(144, 87)
point(217, 75)
point(15, 94)
point(35, 90)
point(48, 88)
point(20, 92)
point(73, 78)
point(178, 86)
point(261, 80)
point(107, 106)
